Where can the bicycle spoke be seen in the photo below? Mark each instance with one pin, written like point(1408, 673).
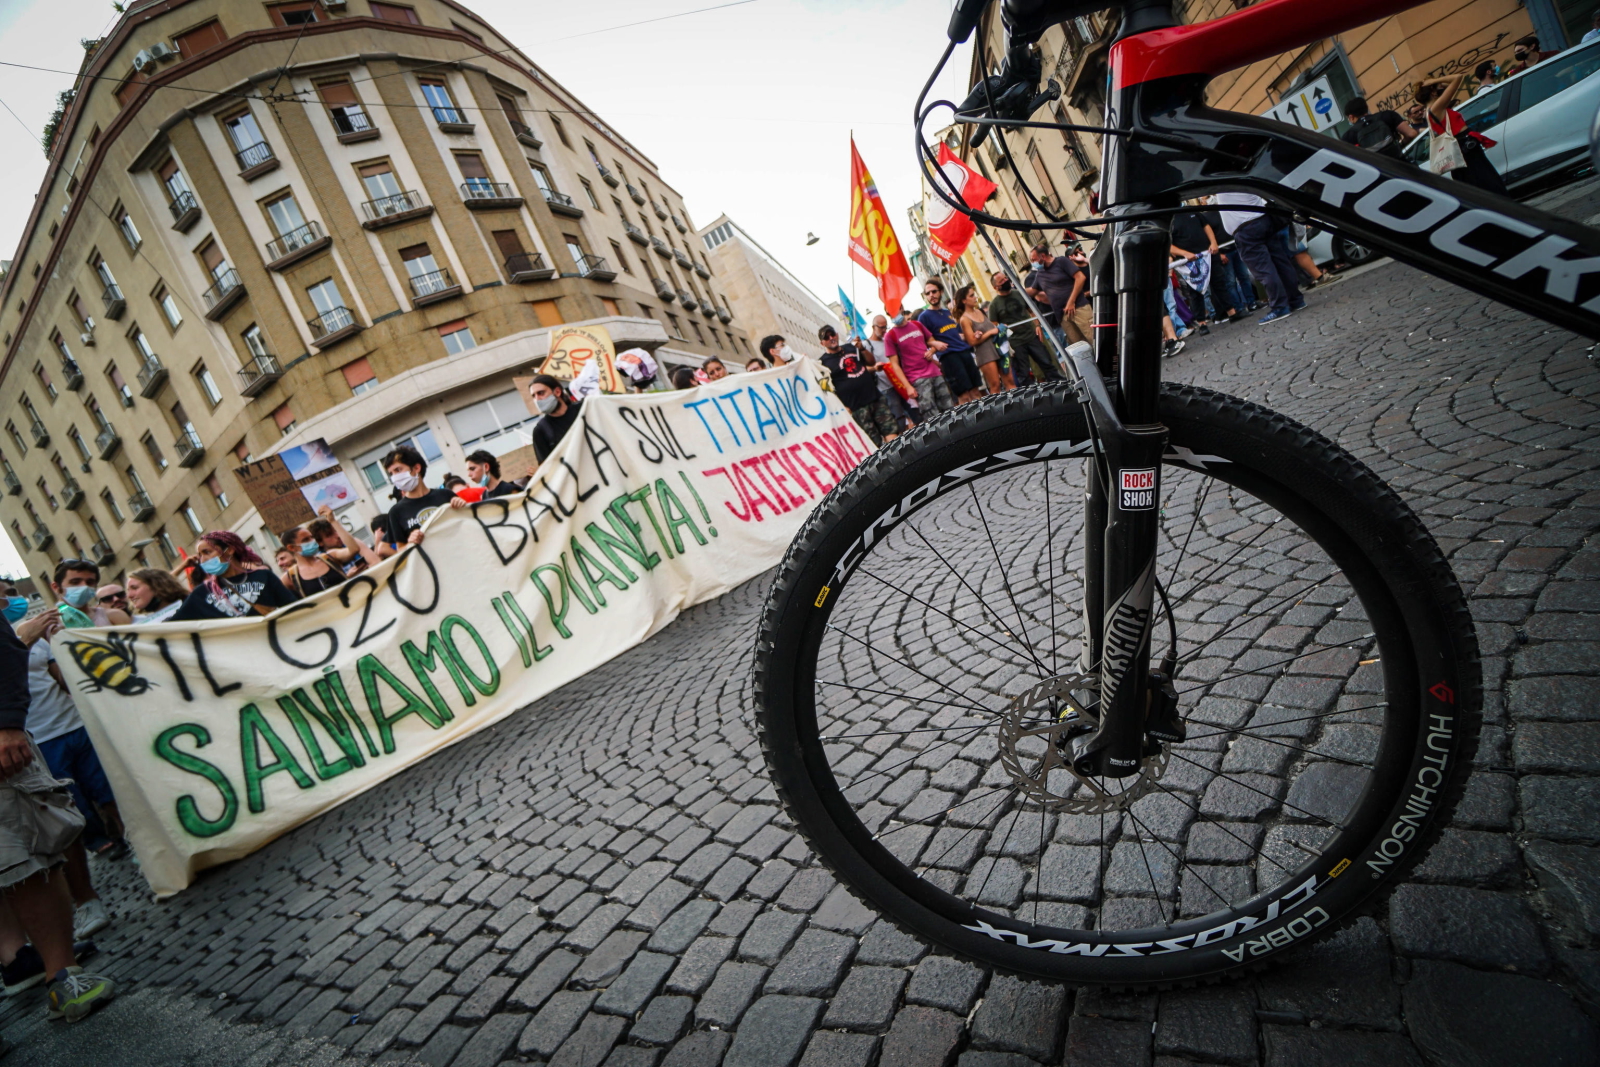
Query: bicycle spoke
point(1263, 667)
point(1308, 751)
point(1286, 722)
point(1253, 789)
point(965, 626)
point(1214, 638)
point(962, 579)
point(902, 696)
point(1050, 555)
point(868, 645)
point(1022, 623)
point(976, 826)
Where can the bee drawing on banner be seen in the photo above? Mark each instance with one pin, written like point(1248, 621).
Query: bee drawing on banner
point(109, 666)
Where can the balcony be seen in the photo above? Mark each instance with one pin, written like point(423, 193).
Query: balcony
point(528, 267)
point(101, 553)
point(663, 288)
point(661, 212)
point(351, 124)
point(106, 442)
point(13, 483)
point(707, 310)
point(481, 194)
point(71, 494)
point(561, 204)
point(683, 258)
point(333, 326)
point(185, 211)
point(432, 287)
point(606, 176)
point(635, 195)
point(661, 248)
point(525, 135)
point(297, 244)
point(73, 375)
point(115, 304)
point(687, 299)
point(399, 207)
point(593, 266)
point(152, 376)
point(451, 121)
point(42, 538)
point(256, 161)
point(702, 270)
point(724, 316)
point(227, 291)
point(260, 372)
point(139, 506)
point(678, 225)
point(41, 436)
point(190, 450)
point(635, 234)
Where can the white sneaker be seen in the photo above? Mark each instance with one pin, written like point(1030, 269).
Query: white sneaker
point(90, 918)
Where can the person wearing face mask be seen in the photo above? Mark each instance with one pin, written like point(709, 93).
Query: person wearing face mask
point(1028, 356)
point(237, 583)
point(776, 351)
point(1526, 53)
point(75, 583)
point(154, 595)
point(483, 470)
point(311, 572)
point(406, 469)
point(1488, 72)
point(560, 413)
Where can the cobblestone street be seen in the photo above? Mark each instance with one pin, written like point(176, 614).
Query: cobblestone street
point(606, 878)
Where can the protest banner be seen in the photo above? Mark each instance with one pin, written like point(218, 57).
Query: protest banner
point(219, 736)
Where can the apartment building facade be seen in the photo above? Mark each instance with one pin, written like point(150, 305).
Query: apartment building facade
point(763, 294)
point(268, 223)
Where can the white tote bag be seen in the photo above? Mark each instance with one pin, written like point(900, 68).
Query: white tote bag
point(1444, 153)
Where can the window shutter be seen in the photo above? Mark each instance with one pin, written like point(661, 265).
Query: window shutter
point(452, 327)
point(200, 39)
point(508, 242)
point(471, 165)
point(373, 169)
point(414, 252)
point(167, 170)
point(357, 371)
point(395, 13)
point(283, 416)
point(337, 94)
point(211, 255)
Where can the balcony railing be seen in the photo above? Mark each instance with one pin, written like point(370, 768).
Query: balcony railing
point(451, 121)
point(596, 267)
point(678, 225)
point(139, 506)
point(189, 448)
point(394, 206)
point(260, 372)
point(152, 376)
point(115, 304)
point(101, 553)
point(185, 210)
point(702, 270)
point(634, 233)
point(332, 325)
point(351, 123)
point(224, 294)
point(661, 212)
point(528, 267)
point(682, 257)
point(255, 158)
point(41, 436)
point(663, 288)
point(724, 316)
point(482, 193)
point(42, 538)
point(434, 285)
point(71, 494)
point(687, 299)
point(561, 203)
point(525, 135)
point(13, 483)
point(106, 442)
point(606, 176)
point(707, 310)
point(661, 247)
point(296, 241)
point(73, 375)
point(635, 195)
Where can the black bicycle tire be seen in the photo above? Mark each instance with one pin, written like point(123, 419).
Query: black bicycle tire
point(1353, 503)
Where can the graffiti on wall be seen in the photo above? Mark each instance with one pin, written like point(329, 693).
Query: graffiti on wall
point(1465, 62)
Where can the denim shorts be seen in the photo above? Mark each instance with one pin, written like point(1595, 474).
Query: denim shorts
point(19, 859)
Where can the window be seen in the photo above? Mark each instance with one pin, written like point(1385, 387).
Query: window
point(130, 232)
point(541, 178)
point(419, 263)
point(284, 418)
point(509, 242)
point(255, 342)
point(588, 190)
point(44, 380)
point(134, 479)
point(99, 416)
point(1555, 74)
point(218, 494)
point(190, 518)
point(124, 393)
point(575, 250)
point(421, 439)
point(78, 443)
point(172, 180)
point(456, 337)
point(102, 270)
point(285, 215)
point(154, 451)
point(677, 327)
point(293, 14)
point(326, 299)
point(16, 438)
point(394, 13)
point(438, 97)
point(498, 424)
point(513, 112)
point(561, 131)
point(547, 312)
point(49, 497)
point(75, 302)
point(242, 453)
point(95, 528)
point(61, 346)
point(250, 146)
point(142, 344)
point(475, 176)
point(208, 385)
point(169, 307)
point(200, 39)
point(343, 108)
point(379, 180)
point(616, 250)
point(358, 375)
point(110, 502)
point(698, 336)
point(181, 417)
point(611, 306)
point(164, 541)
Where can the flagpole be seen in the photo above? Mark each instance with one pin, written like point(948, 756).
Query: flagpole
point(850, 263)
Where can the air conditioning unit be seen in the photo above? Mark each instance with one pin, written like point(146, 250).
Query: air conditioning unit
point(87, 339)
point(163, 50)
point(333, 5)
point(144, 61)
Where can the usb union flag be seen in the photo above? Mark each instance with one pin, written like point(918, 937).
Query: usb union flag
point(872, 240)
point(949, 231)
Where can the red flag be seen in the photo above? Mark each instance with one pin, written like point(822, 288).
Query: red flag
point(872, 240)
point(949, 231)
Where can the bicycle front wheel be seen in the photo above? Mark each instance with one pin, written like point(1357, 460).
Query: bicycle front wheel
point(922, 644)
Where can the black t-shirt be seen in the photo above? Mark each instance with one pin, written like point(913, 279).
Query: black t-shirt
point(1189, 233)
point(238, 597)
point(1390, 119)
point(305, 587)
point(409, 514)
point(1214, 220)
point(854, 381)
point(548, 431)
point(504, 488)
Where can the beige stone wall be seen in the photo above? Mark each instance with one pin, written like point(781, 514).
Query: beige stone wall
point(105, 160)
point(763, 296)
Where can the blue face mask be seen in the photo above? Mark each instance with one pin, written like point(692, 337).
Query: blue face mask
point(310, 548)
point(214, 566)
point(79, 596)
point(484, 481)
point(16, 607)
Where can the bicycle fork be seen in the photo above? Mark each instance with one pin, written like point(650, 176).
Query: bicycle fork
point(1136, 709)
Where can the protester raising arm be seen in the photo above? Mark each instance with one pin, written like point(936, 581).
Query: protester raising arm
point(352, 545)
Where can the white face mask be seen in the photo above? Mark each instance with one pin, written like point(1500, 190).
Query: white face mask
point(546, 404)
point(404, 481)
point(785, 353)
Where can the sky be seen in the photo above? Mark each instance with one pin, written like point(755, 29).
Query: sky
point(747, 110)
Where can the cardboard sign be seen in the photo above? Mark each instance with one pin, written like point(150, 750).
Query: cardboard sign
point(572, 348)
point(287, 488)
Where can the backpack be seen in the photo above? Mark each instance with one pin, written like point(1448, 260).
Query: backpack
point(1375, 136)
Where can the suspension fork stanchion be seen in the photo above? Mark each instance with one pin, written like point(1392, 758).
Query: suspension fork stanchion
point(1102, 271)
point(1134, 443)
